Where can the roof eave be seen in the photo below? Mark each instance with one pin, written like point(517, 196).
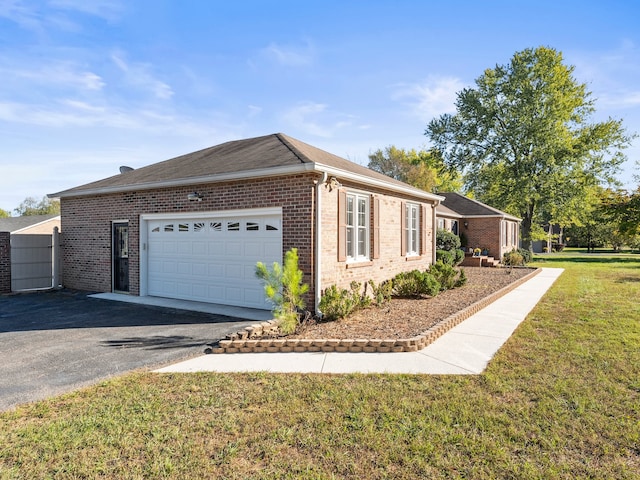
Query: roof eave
point(250, 174)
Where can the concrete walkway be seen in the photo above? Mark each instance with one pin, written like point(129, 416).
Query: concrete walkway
point(465, 349)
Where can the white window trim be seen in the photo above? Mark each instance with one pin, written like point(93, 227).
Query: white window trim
point(412, 234)
point(352, 230)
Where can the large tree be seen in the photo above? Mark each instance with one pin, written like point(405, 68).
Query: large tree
point(523, 140)
point(4, 213)
point(422, 169)
point(31, 206)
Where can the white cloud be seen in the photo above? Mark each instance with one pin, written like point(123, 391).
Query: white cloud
point(137, 74)
point(65, 74)
point(431, 98)
point(107, 9)
point(317, 119)
point(290, 56)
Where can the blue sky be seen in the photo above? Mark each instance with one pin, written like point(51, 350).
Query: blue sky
point(87, 86)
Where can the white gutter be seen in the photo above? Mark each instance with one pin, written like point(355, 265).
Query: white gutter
point(435, 231)
point(318, 243)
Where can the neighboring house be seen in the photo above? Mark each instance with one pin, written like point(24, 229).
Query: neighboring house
point(193, 227)
point(554, 239)
point(30, 224)
point(482, 226)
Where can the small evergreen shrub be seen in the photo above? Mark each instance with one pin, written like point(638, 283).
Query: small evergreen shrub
point(513, 259)
point(382, 292)
point(284, 289)
point(415, 284)
point(462, 279)
point(336, 303)
point(447, 276)
point(445, 256)
point(526, 254)
point(446, 240)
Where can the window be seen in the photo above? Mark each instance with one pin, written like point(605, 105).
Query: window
point(454, 227)
point(357, 227)
point(412, 228)
point(441, 224)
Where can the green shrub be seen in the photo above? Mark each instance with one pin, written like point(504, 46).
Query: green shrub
point(445, 256)
point(337, 302)
point(450, 257)
point(447, 276)
point(513, 259)
point(446, 240)
point(284, 289)
point(415, 284)
point(382, 292)
point(526, 254)
point(462, 279)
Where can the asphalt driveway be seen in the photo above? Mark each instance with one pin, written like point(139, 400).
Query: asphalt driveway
point(54, 342)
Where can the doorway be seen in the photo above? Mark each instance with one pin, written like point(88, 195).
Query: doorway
point(120, 256)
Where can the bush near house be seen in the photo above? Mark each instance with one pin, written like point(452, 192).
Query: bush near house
point(448, 248)
point(337, 303)
point(284, 288)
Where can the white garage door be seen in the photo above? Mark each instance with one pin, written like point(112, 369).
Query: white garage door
point(212, 259)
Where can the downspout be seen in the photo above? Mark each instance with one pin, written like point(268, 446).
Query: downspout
point(435, 231)
point(318, 243)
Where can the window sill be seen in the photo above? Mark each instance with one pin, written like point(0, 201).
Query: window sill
point(413, 258)
point(359, 264)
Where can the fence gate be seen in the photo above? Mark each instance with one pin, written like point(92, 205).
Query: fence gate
point(34, 261)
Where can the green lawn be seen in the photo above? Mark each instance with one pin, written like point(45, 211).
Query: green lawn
point(560, 400)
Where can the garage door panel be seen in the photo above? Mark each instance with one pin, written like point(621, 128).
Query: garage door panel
point(199, 269)
point(169, 247)
point(272, 250)
point(233, 248)
point(212, 259)
point(184, 268)
point(216, 270)
point(184, 247)
point(233, 272)
point(200, 248)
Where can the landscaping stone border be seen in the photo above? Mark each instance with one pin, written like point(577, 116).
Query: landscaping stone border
point(250, 339)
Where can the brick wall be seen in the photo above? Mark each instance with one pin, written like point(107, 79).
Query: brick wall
point(5, 262)
point(86, 221)
point(490, 233)
point(390, 263)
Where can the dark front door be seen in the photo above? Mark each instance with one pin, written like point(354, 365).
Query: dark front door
point(121, 257)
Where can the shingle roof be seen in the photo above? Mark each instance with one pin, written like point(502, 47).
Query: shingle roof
point(236, 159)
point(468, 207)
point(13, 224)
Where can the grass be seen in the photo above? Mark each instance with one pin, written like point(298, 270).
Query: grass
point(560, 400)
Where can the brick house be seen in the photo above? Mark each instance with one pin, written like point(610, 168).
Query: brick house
point(193, 227)
point(482, 226)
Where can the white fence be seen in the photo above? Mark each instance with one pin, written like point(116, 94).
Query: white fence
point(35, 261)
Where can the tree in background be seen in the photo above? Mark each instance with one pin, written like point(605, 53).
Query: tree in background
point(4, 213)
point(422, 169)
point(613, 221)
point(31, 206)
point(523, 140)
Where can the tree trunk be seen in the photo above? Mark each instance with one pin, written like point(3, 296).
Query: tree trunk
point(527, 220)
